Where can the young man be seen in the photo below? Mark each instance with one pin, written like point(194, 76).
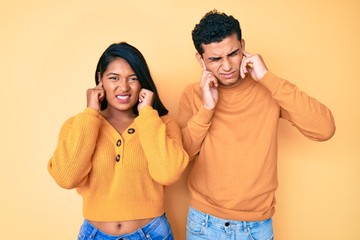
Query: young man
point(230, 124)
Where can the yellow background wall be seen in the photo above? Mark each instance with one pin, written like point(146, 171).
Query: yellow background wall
point(48, 53)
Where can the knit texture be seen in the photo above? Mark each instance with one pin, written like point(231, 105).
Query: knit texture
point(234, 175)
point(119, 176)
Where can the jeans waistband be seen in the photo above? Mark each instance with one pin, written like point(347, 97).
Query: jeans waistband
point(140, 233)
point(207, 219)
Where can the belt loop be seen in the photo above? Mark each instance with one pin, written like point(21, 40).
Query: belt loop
point(93, 233)
point(207, 219)
point(142, 234)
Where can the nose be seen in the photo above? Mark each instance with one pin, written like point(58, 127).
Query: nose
point(226, 64)
point(123, 85)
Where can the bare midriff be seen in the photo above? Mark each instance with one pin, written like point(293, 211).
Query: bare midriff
point(122, 227)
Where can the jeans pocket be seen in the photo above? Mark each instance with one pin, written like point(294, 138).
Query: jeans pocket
point(160, 230)
point(261, 238)
point(163, 231)
point(195, 228)
point(262, 231)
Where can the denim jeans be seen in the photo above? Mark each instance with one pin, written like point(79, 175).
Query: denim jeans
point(204, 226)
point(158, 229)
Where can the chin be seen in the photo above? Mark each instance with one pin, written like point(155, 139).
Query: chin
point(229, 82)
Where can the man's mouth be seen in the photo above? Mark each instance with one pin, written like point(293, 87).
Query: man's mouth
point(228, 75)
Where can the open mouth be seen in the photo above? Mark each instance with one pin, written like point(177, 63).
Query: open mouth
point(123, 98)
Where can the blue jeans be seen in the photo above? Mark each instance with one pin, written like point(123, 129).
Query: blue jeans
point(204, 226)
point(158, 229)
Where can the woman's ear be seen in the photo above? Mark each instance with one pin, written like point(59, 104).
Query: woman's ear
point(99, 77)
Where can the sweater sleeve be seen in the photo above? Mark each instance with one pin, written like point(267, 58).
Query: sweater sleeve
point(194, 120)
point(161, 141)
point(309, 116)
point(71, 160)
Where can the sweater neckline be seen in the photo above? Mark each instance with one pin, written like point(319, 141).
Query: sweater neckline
point(130, 130)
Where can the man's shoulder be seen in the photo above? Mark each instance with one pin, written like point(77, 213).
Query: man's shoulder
point(192, 92)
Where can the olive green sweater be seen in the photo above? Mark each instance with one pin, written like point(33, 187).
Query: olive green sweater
point(119, 176)
point(234, 175)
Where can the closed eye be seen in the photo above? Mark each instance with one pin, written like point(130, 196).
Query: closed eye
point(214, 59)
point(114, 78)
point(133, 79)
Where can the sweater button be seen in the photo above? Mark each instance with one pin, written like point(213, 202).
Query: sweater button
point(131, 130)
point(118, 157)
point(118, 143)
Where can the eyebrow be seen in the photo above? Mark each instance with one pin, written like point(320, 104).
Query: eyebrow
point(234, 52)
point(230, 54)
point(110, 73)
point(116, 74)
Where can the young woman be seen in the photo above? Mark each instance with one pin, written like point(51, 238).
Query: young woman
point(121, 151)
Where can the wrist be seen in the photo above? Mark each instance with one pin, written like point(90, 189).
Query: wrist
point(263, 74)
point(211, 107)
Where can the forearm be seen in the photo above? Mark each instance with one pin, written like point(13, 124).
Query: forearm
point(162, 145)
point(71, 160)
point(194, 130)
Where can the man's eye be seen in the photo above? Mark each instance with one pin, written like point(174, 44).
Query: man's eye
point(214, 59)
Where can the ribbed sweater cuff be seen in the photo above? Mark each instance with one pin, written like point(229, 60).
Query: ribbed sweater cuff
point(91, 111)
point(148, 111)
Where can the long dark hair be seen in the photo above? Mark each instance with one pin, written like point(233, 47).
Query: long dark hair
point(137, 62)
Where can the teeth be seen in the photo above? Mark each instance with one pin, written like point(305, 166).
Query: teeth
point(122, 97)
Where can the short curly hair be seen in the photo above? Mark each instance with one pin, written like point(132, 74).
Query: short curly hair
point(214, 27)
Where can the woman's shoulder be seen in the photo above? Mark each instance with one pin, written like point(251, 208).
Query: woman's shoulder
point(86, 113)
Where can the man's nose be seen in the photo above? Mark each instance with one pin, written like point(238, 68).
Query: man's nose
point(226, 64)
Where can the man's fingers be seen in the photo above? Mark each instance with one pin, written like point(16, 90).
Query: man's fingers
point(205, 77)
point(246, 54)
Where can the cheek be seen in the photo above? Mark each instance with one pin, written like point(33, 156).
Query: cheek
point(213, 68)
point(237, 61)
point(136, 89)
point(107, 88)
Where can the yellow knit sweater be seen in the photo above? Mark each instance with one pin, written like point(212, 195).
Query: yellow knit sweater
point(234, 175)
point(120, 177)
